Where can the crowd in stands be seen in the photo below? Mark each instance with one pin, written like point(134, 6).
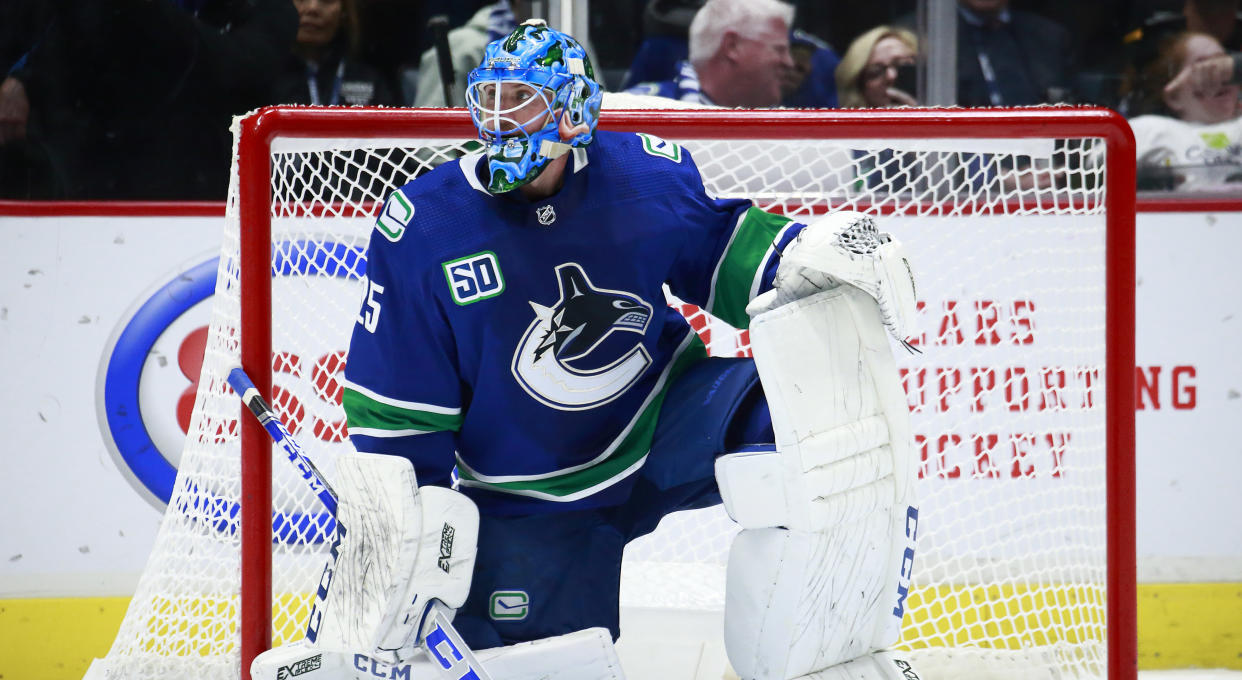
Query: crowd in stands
point(133, 99)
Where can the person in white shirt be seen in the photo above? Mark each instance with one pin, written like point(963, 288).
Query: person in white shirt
point(1192, 138)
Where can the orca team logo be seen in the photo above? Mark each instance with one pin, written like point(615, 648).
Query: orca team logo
point(556, 360)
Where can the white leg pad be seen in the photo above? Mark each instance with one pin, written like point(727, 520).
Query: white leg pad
point(877, 666)
point(820, 573)
point(403, 546)
point(581, 655)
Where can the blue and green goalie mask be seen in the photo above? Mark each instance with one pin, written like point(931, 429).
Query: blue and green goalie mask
point(525, 84)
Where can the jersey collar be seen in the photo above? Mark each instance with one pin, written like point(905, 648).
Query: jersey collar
point(469, 165)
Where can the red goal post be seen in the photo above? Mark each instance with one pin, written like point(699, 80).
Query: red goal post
point(979, 193)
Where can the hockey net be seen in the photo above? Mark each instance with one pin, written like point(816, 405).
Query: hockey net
point(1019, 228)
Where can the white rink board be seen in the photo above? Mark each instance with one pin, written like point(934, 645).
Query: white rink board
point(69, 282)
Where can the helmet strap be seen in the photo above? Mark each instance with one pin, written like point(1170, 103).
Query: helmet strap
point(551, 149)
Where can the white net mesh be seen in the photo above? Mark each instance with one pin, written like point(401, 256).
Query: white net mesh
point(1007, 238)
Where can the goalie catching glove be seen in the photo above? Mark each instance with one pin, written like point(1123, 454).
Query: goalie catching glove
point(845, 247)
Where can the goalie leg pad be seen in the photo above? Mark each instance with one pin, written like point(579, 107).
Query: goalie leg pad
point(887, 665)
point(401, 547)
point(582, 655)
point(820, 573)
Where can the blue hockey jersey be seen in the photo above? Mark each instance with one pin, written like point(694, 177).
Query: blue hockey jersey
point(529, 344)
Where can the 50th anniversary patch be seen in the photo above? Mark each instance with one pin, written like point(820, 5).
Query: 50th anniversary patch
point(474, 277)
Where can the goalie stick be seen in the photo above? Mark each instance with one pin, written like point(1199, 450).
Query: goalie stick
point(442, 643)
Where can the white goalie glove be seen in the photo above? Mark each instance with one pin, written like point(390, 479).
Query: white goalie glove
point(845, 247)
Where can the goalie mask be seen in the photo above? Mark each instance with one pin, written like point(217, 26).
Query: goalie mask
point(517, 96)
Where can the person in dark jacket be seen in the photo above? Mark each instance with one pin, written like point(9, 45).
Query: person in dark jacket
point(1009, 57)
point(133, 99)
point(324, 67)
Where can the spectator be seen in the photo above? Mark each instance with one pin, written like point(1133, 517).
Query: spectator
point(324, 68)
point(1217, 18)
point(1187, 138)
point(866, 78)
point(663, 53)
point(133, 99)
point(739, 53)
point(466, 44)
point(1211, 72)
point(24, 166)
point(810, 83)
point(1009, 57)
point(666, 41)
point(867, 75)
point(389, 43)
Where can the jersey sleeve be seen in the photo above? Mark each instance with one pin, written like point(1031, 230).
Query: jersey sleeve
point(403, 393)
point(730, 251)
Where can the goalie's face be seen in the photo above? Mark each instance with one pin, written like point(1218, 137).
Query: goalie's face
point(532, 98)
point(510, 108)
point(517, 117)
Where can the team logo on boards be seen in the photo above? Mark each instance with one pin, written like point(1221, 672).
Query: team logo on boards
point(509, 605)
point(154, 356)
point(558, 360)
point(149, 371)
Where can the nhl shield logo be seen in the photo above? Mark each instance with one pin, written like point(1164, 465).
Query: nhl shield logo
point(545, 214)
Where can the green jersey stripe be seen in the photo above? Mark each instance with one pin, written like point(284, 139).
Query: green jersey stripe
point(408, 405)
point(758, 278)
point(364, 413)
point(746, 253)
